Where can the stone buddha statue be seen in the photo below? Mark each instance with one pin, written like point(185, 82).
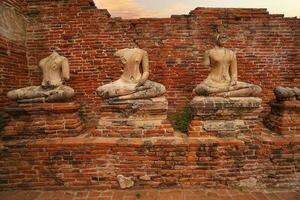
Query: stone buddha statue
point(55, 70)
point(222, 79)
point(133, 83)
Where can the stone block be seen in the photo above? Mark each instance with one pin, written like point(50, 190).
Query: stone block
point(40, 120)
point(125, 182)
point(134, 118)
point(224, 117)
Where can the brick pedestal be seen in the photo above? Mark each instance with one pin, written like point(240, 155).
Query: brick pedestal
point(224, 117)
point(134, 118)
point(39, 120)
point(284, 117)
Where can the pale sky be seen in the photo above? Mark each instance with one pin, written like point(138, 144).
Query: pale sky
point(165, 8)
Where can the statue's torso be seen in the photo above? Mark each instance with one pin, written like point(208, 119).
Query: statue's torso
point(52, 71)
point(220, 60)
point(132, 70)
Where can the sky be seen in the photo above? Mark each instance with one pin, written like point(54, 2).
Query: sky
point(129, 9)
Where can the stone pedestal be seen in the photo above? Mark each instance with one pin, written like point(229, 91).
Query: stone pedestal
point(224, 117)
point(284, 117)
point(134, 118)
point(40, 120)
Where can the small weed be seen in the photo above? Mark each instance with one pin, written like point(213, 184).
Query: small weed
point(138, 195)
point(181, 120)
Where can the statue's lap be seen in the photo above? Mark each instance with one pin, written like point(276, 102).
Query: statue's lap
point(204, 89)
point(116, 89)
point(60, 93)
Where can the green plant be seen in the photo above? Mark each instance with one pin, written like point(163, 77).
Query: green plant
point(181, 120)
point(138, 195)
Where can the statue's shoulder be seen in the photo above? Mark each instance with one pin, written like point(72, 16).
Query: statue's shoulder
point(208, 52)
point(61, 58)
point(142, 51)
point(43, 61)
point(232, 51)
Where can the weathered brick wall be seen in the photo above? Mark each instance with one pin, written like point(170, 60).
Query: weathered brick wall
point(268, 51)
point(267, 47)
point(168, 162)
point(278, 170)
point(13, 61)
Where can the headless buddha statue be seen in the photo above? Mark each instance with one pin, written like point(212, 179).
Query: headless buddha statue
point(55, 70)
point(222, 79)
point(133, 83)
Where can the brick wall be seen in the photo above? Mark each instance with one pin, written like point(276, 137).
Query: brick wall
point(77, 163)
point(268, 52)
point(266, 46)
point(13, 61)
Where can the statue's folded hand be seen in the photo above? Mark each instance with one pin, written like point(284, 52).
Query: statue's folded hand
point(141, 88)
point(233, 82)
point(140, 83)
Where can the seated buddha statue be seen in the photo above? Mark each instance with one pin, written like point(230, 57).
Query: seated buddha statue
point(133, 83)
point(222, 79)
point(55, 69)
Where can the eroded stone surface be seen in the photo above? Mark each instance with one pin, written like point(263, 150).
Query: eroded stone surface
point(250, 183)
point(125, 182)
point(225, 108)
point(145, 178)
point(134, 118)
point(215, 125)
point(139, 113)
point(224, 117)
